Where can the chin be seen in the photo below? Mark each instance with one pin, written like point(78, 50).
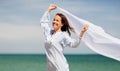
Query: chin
point(54, 28)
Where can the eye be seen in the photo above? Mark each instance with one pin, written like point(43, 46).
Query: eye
point(53, 19)
point(57, 20)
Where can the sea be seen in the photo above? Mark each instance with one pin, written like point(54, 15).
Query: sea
point(37, 62)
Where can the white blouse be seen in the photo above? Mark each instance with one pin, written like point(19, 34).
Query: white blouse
point(54, 45)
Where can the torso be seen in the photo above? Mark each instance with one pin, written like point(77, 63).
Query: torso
point(54, 52)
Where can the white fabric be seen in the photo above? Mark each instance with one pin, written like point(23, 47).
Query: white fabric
point(95, 37)
point(54, 45)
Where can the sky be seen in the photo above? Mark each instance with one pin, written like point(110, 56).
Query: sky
point(20, 31)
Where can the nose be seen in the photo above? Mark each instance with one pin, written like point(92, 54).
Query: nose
point(54, 22)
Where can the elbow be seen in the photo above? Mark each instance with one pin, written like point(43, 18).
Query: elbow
point(74, 46)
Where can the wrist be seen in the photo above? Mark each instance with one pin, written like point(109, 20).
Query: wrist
point(48, 10)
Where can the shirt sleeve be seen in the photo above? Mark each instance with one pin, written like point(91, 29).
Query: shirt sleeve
point(44, 23)
point(70, 42)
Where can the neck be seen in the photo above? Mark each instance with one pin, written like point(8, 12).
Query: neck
point(59, 30)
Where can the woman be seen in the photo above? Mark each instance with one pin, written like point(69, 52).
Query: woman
point(57, 39)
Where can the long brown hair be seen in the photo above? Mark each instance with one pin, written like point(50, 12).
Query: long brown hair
point(66, 26)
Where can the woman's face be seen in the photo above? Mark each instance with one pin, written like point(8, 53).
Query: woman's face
point(57, 24)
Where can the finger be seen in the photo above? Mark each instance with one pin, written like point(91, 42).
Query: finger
point(86, 26)
point(53, 5)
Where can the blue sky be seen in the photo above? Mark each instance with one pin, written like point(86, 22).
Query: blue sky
point(19, 22)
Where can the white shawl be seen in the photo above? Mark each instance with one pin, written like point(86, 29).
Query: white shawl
point(95, 37)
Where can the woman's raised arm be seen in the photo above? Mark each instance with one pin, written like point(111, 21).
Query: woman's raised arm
point(52, 7)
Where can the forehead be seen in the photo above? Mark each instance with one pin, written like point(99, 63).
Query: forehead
point(57, 17)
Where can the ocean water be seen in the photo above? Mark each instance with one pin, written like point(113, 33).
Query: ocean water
point(76, 63)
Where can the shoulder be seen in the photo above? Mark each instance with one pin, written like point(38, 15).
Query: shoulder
point(65, 35)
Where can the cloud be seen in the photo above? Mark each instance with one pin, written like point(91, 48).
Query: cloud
point(19, 32)
point(21, 39)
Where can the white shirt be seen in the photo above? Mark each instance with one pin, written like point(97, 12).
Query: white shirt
point(55, 44)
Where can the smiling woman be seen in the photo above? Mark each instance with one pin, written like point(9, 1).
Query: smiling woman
point(57, 39)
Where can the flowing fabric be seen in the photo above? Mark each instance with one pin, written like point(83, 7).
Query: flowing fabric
point(95, 37)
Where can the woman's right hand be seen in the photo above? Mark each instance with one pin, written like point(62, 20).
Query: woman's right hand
point(52, 7)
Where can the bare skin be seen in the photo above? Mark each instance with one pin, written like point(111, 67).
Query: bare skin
point(84, 29)
point(57, 22)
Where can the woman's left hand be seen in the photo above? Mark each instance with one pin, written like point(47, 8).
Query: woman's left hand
point(85, 28)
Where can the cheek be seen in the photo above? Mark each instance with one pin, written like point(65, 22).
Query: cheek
point(61, 24)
